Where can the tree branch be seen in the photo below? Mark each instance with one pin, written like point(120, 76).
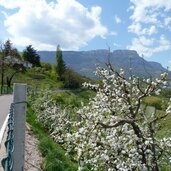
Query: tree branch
point(119, 123)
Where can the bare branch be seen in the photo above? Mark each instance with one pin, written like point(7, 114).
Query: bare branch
point(159, 118)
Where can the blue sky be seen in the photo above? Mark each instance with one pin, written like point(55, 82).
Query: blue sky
point(141, 25)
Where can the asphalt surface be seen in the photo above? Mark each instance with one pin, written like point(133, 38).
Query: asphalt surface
point(5, 102)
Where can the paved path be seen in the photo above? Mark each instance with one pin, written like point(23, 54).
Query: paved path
point(5, 102)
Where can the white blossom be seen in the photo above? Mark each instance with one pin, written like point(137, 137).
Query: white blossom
point(112, 131)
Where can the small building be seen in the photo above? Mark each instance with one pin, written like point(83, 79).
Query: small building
point(11, 59)
point(27, 64)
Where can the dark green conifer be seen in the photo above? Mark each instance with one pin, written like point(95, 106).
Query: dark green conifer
point(60, 67)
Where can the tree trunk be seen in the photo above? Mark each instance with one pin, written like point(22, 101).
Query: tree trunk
point(10, 79)
point(2, 78)
point(8, 82)
point(155, 167)
point(139, 134)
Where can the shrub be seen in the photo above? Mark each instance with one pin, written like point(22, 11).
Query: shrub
point(72, 79)
point(46, 66)
point(38, 76)
point(59, 97)
point(153, 101)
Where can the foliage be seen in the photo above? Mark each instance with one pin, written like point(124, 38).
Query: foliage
point(166, 93)
point(71, 99)
point(38, 76)
point(7, 90)
point(153, 101)
point(10, 60)
point(9, 50)
point(164, 126)
point(113, 132)
point(72, 80)
point(46, 81)
point(52, 73)
point(30, 55)
point(46, 66)
point(60, 68)
point(16, 67)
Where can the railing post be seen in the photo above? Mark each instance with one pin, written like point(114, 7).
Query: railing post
point(19, 125)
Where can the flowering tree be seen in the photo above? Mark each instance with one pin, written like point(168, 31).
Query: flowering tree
point(115, 132)
point(53, 116)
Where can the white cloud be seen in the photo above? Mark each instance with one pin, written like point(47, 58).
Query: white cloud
point(150, 19)
point(151, 30)
point(44, 25)
point(117, 19)
point(147, 47)
point(167, 21)
point(169, 61)
point(150, 12)
point(113, 33)
point(147, 11)
point(164, 44)
point(137, 29)
point(140, 46)
point(145, 41)
point(4, 14)
point(12, 4)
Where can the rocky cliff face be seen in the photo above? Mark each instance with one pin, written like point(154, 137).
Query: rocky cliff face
point(84, 62)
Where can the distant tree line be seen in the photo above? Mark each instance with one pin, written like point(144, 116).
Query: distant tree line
point(12, 62)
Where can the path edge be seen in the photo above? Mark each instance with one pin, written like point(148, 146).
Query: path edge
point(2, 131)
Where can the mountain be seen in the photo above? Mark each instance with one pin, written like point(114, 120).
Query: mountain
point(84, 62)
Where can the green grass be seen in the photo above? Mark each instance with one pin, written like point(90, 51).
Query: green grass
point(73, 98)
point(53, 153)
point(165, 126)
point(153, 101)
point(28, 78)
point(32, 78)
point(6, 90)
point(160, 103)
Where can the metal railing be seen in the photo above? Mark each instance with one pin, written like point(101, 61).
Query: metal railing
point(8, 161)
